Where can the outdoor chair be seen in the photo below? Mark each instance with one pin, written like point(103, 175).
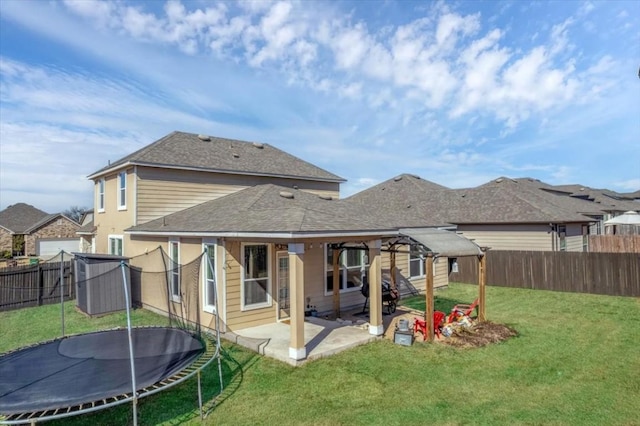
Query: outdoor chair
point(462, 309)
point(420, 325)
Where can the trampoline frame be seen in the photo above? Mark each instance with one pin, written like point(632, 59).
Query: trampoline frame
point(195, 368)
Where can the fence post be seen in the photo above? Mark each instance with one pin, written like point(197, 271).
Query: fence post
point(40, 283)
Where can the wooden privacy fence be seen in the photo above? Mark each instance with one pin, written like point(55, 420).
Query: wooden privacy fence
point(614, 243)
point(24, 286)
point(614, 274)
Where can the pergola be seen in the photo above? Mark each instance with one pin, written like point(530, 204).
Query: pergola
point(434, 243)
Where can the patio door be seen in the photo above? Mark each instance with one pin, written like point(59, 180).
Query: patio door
point(282, 258)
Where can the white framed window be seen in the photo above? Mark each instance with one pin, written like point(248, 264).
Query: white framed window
point(115, 245)
point(562, 237)
point(353, 268)
point(101, 195)
point(416, 263)
point(174, 273)
point(209, 275)
point(122, 191)
point(256, 276)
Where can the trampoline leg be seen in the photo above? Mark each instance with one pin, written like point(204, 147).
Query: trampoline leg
point(200, 396)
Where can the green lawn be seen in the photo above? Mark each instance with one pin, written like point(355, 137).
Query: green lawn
point(576, 361)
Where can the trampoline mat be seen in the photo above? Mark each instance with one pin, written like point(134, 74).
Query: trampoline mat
point(90, 367)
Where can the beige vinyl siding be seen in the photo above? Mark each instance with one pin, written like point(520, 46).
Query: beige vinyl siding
point(574, 237)
point(164, 191)
point(509, 236)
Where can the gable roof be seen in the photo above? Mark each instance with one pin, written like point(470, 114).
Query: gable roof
point(189, 151)
point(267, 211)
point(20, 217)
point(48, 219)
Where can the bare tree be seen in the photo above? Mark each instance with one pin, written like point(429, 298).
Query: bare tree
point(75, 212)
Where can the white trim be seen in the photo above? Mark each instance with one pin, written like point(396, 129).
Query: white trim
point(121, 206)
point(283, 255)
point(174, 297)
point(115, 237)
point(297, 353)
point(376, 330)
point(269, 301)
point(204, 169)
point(269, 235)
point(135, 195)
point(209, 242)
point(102, 182)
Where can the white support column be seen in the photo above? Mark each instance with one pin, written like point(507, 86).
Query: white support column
point(297, 349)
point(375, 289)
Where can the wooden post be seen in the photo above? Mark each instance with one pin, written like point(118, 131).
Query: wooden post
point(336, 282)
point(376, 327)
point(482, 283)
point(297, 349)
point(429, 296)
point(392, 268)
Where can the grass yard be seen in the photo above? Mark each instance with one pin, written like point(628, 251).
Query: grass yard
point(576, 361)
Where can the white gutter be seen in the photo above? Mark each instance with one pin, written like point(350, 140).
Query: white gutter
point(271, 235)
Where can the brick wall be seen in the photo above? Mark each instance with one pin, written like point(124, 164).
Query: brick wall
point(58, 228)
point(6, 240)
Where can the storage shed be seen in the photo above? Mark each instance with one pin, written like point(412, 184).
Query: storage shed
point(99, 286)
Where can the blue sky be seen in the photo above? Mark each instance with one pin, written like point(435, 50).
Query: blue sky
point(456, 92)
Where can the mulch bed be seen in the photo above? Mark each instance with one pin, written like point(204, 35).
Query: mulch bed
point(479, 335)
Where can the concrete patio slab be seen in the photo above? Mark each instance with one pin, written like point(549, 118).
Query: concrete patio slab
point(323, 336)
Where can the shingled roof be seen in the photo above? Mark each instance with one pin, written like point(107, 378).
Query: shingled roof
point(607, 200)
point(21, 217)
point(407, 201)
point(198, 152)
point(268, 209)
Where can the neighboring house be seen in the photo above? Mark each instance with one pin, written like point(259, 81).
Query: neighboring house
point(610, 203)
point(182, 170)
point(504, 214)
point(87, 232)
point(28, 231)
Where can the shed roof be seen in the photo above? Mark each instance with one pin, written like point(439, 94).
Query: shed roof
point(213, 154)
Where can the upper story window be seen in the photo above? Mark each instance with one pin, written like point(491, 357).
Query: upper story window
point(122, 190)
point(101, 195)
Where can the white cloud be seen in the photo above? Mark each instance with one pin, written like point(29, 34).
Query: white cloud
point(630, 185)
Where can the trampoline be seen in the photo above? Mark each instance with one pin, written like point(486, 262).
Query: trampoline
point(88, 372)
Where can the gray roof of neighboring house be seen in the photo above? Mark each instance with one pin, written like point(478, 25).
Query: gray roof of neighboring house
point(396, 203)
point(606, 199)
point(21, 217)
point(506, 200)
point(632, 195)
point(411, 201)
point(265, 209)
point(188, 151)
